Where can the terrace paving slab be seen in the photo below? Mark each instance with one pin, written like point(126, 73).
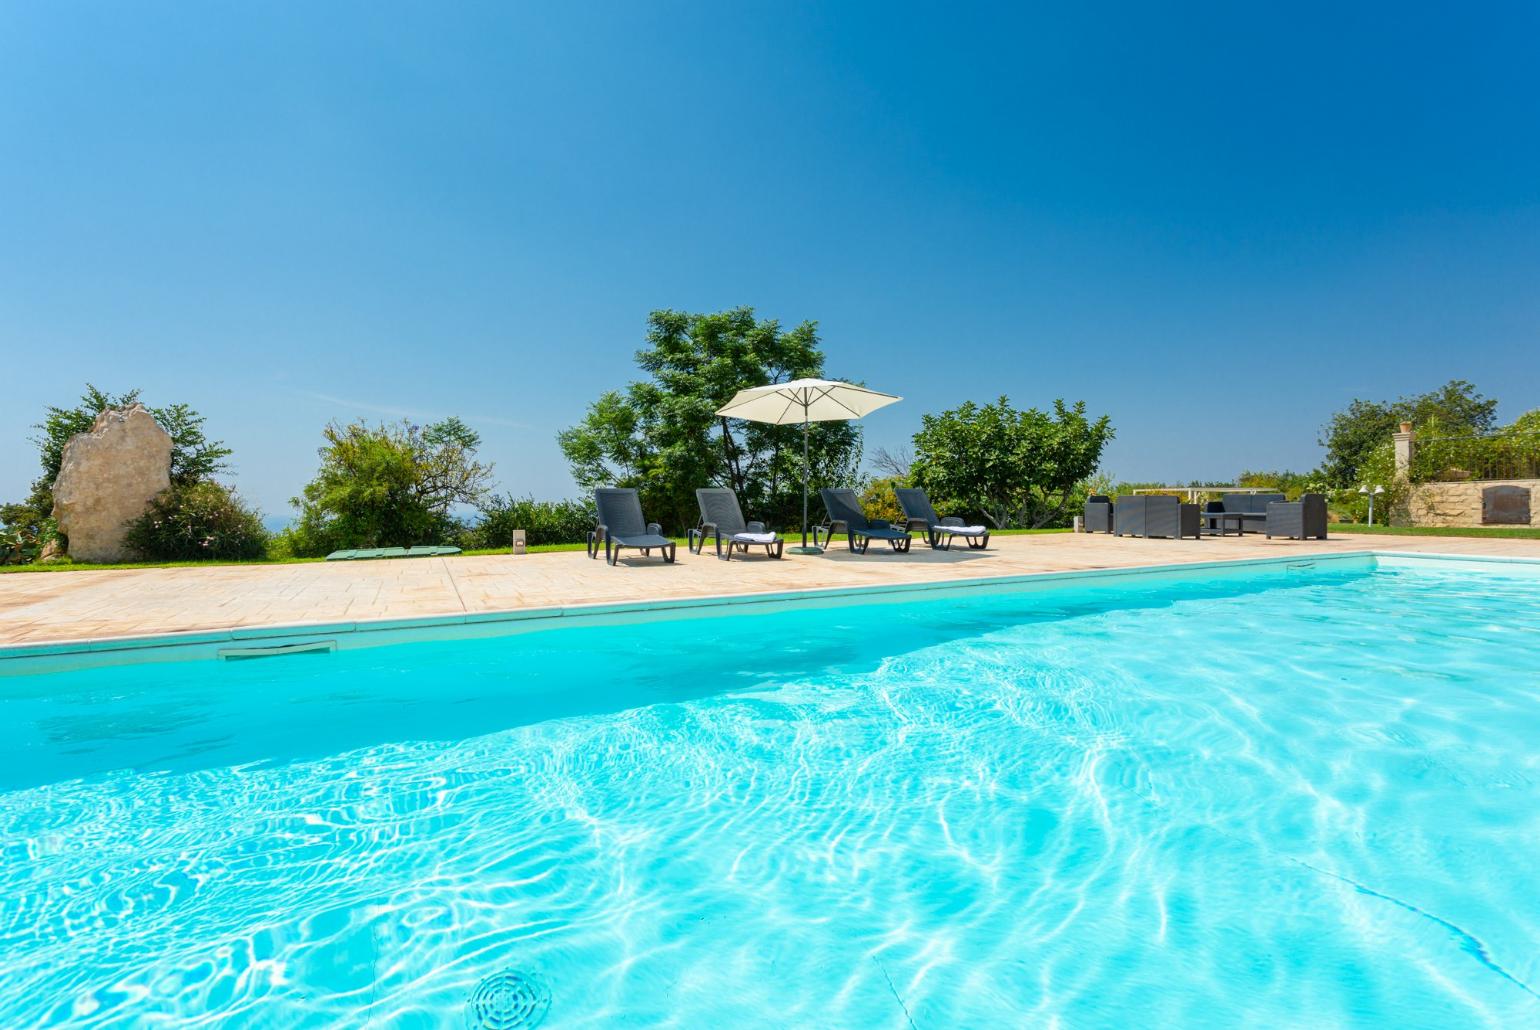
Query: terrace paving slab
point(86, 605)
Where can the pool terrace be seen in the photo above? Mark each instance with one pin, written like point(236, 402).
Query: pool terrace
point(71, 609)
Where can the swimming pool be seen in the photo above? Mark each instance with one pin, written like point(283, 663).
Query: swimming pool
point(1305, 797)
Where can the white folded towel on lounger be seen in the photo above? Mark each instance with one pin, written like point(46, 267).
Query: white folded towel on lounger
point(755, 538)
point(961, 530)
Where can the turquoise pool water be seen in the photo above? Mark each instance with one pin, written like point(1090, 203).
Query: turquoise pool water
point(1306, 800)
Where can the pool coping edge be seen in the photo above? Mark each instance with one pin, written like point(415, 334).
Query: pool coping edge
point(204, 639)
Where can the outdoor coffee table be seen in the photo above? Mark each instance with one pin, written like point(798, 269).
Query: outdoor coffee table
point(1221, 521)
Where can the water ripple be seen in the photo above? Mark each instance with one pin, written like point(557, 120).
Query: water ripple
point(1066, 810)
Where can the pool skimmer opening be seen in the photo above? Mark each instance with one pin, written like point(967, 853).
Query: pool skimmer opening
point(507, 1000)
point(232, 654)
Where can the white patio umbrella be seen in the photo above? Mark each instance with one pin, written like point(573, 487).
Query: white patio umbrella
point(805, 401)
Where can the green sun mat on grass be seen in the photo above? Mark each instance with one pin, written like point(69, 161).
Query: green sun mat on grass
point(367, 553)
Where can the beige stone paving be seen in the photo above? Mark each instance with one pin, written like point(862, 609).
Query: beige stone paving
point(83, 605)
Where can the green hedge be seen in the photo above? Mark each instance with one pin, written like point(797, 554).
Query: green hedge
point(544, 522)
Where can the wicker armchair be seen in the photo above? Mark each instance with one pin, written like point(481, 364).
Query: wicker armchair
point(1303, 519)
point(1098, 514)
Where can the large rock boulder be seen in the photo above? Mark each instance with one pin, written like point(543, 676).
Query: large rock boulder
point(107, 479)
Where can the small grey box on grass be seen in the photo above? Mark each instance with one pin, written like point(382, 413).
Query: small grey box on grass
point(519, 542)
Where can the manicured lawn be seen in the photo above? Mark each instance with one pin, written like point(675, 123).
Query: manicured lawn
point(1508, 532)
point(791, 538)
point(68, 566)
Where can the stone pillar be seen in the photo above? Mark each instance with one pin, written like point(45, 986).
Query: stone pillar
point(108, 477)
point(1406, 446)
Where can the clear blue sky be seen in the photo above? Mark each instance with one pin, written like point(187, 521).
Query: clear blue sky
point(1216, 225)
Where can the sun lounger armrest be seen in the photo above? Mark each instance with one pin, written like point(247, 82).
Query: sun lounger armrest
point(754, 527)
point(601, 531)
point(951, 520)
point(655, 528)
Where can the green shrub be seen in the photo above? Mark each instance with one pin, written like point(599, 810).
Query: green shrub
point(544, 522)
point(1379, 469)
point(198, 521)
point(24, 532)
point(23, 542)
point(877, 499)
point(299, 541)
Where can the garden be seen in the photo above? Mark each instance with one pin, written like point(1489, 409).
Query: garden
point(403, 484)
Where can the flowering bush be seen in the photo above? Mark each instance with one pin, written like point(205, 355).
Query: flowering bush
point(198, 521)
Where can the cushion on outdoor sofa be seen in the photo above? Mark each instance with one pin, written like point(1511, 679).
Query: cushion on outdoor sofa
point(1249, 504)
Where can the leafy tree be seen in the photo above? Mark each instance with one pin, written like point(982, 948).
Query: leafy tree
point(1355, 431)
point(1015, 468)
point(59, 424)
point(194, 457)
point(1529, 422)
point(391, 485)
point(662, 436)
point(1290, 484)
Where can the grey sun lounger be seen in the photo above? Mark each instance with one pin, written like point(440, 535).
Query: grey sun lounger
point(621, 525)
point(721, 518)
point(919, 514)
point(845, 509)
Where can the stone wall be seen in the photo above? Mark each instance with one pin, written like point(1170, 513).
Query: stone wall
point(1459, 504)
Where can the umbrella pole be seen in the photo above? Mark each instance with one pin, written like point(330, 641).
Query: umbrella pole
point(805, 549)
point(804, 484)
